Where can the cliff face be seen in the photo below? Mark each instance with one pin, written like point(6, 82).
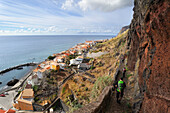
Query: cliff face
point(149, 45)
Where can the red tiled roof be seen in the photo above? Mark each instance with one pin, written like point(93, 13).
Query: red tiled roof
point(2, 111)
point(10, 111)
point(28, 86)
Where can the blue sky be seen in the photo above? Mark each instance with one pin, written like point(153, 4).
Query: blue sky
point(64, 17)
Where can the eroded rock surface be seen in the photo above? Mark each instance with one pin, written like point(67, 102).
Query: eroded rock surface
point(149, 41)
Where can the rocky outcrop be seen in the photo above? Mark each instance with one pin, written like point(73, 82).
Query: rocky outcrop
point(149, 43)
point(123, 29)
point(12, 82)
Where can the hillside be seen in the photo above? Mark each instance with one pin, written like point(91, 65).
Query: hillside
point(144, 49)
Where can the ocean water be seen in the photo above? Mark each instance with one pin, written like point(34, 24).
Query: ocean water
point(15, 50)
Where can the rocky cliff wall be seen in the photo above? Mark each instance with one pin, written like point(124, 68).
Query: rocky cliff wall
point(149, 44)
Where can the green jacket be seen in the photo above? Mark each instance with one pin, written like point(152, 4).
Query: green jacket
point(120, 86)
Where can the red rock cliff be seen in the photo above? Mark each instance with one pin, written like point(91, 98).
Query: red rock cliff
point(149, 42)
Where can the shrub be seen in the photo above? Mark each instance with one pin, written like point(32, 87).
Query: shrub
point(36, 99)
point(68, 103)
point(78, 90)
point(129, 75)
point(86, 89)
point(82, 85)
point(100, 84)
point(35, 88)
point(92, 67)
point(51, 57)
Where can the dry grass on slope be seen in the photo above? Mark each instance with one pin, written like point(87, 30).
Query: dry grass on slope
point(87, 91)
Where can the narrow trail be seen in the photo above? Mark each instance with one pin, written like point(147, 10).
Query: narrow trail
point(123, 107)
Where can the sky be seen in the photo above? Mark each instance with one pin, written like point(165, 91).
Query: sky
point(64, 17)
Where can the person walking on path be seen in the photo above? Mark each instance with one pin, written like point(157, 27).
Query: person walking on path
point(124, 72)
point(120, 86)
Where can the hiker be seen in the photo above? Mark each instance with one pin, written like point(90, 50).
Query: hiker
point(120, 85)
point(124, 72)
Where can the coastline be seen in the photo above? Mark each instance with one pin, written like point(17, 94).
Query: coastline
point(9, 88)
point(13, 91)
point(16, 67)
point(34, 64)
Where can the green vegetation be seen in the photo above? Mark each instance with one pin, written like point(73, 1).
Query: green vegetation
point(129, 75)
point(72, 56)
point(126, 68)
point(100, 45)
point(64, 89)
point(82, 85)
point(53, 70)
point(92, 67)
point(75, 105)
point(100, 84)
point(19, 92)
point(36, 99)
point(35, 88)
point(51, 57)
point(128, 105)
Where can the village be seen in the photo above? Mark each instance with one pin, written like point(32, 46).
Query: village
point(42, 86)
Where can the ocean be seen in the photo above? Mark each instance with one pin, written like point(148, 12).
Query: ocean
point(15, 50)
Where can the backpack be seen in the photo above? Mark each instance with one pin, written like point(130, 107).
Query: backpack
point(120, 86)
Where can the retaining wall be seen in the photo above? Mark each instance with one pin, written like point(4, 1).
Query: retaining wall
point(99, 105)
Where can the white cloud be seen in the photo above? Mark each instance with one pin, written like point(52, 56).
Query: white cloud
point(48, 18)
point(67, 4)
point(104, 5)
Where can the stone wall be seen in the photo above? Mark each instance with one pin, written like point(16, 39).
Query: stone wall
point(148, 40)
point(99, 105)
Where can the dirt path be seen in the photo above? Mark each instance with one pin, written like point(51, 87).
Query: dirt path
point(124, 106)
point(114, 107)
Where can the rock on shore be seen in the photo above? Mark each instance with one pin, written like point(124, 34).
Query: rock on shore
point(12, 82)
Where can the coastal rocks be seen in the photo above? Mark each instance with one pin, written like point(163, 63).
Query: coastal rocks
point(12, 82)
point(0, 83)
point(148, 40)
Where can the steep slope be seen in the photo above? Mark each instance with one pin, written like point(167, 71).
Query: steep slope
point(149, 55)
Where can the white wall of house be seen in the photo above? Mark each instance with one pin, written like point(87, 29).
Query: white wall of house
point(75, 61)
point(34, 81)
point(39, 74)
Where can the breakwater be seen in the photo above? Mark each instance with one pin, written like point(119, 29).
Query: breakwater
point(16, 67)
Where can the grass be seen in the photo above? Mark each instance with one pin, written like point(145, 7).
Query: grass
point(64, 89)
point(100, 84)
point(129, 75)
point(92, 67)
point(128, 105)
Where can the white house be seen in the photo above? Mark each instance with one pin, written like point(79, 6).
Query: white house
point(83, 66)
point(34, 80)
point(76, 61)
point(62, 65)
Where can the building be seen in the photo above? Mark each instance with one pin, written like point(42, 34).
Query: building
point(55, 66)
point(8, 111)
point(83, 66)
point(25, 99)
point(59, 59)
point(34, 80)
point(41, 72)
point(62, 65)
point(89, 42)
